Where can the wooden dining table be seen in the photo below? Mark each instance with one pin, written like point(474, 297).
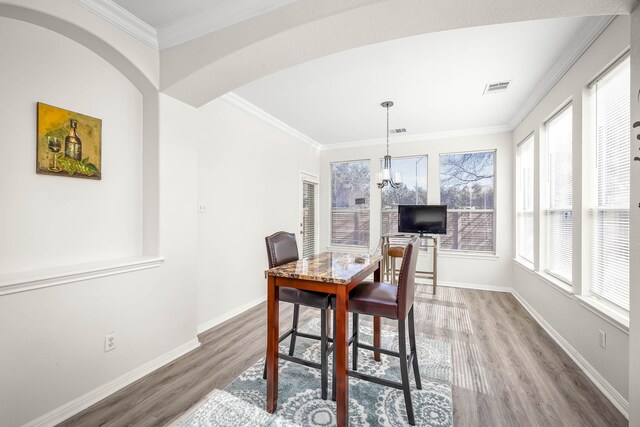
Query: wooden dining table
point(329, 272)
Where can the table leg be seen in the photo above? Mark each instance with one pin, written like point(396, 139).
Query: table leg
point(340, 342)
point(376, 320)
point(273, 323)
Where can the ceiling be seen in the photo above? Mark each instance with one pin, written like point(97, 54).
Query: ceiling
point(182, 20)
point(436, 80)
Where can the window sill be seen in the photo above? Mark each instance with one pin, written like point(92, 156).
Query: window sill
point(556, 284)
point(37, 279)
point(617, 318)
point(524, 264)
point(468, 255)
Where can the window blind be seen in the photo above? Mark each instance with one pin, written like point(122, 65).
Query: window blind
point(558, 212)
point(610, 242)
point(524, 196)
point(308, 218)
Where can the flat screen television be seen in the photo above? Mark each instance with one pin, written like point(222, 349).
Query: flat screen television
point(422, 219)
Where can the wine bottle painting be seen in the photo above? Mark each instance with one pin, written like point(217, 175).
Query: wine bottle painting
point(69, 143)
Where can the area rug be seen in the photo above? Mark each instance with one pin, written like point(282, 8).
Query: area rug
point(242, 403)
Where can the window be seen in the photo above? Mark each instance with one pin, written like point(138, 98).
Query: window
point(412, 191)
point(610, 218)
point(350, 203)
point(309, 216)
point(467, 188)
point(524, 200)
point(558, 214)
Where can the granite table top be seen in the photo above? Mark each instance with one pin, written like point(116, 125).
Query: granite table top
point(333, 267)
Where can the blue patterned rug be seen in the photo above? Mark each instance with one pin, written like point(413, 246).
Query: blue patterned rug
point(242, 403)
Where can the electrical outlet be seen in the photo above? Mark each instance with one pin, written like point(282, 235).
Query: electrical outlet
point(202, 208)
point(110, 342)
point(603, 339)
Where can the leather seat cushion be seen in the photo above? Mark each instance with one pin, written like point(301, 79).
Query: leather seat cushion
point(306, 298)
point(396, 251)
point(373, 298)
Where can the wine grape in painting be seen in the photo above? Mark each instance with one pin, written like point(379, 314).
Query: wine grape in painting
point(69, 144)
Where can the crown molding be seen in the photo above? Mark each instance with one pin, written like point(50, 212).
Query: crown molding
point(589, 32)
point(430, 136)
point(237, 101)
point(227, 13)
point(123, 19)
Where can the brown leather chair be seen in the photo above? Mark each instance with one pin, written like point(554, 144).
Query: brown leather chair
point(393, 302)
point(281, 249)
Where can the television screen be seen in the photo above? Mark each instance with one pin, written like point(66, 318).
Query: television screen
point(423, 219)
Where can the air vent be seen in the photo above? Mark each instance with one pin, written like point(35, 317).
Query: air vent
point(496, 87)
point(399, 130)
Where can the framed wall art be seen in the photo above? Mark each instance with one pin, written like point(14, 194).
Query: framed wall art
point(69, 144)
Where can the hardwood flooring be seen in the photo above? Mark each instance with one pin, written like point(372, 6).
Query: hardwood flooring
point(507, 371)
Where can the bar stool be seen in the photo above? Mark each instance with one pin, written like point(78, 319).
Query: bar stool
point(395, 252)
point(392, 302)
point(281, 249)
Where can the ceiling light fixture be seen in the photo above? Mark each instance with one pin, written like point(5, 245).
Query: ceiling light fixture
point(385, 176)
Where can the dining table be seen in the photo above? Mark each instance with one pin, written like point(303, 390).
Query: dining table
point(334, 273)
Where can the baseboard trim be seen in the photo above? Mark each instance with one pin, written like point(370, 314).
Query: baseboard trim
point(603, 385)
point(229, 314)
point(72, 408)
point(462, 285)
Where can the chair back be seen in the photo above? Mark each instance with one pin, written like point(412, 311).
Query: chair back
point(407, 279)
point(281, 248)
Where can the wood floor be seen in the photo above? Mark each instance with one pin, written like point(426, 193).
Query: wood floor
point(506, 370)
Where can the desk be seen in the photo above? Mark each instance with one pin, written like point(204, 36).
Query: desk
point(330, 272)
point(401, 239)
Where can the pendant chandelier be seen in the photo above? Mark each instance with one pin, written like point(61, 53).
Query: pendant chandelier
point(386, 177)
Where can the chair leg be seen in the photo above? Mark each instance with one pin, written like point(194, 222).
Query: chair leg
point(393, 271)
point(323, 353)
point(294, 327)
point(412, 344)
point(333, 382)
point(354, 357)
point(404, 370)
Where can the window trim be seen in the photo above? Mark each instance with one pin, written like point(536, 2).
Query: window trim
point(525, 261)
point(495, 197)
point(330, 227)
point(426, 157)
point(543, 195)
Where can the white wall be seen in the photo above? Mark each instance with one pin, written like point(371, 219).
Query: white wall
point(564, 313)
point(634, 329)
point(248, 178)
point(49, 220)
point(52, 338)
point(459, 269)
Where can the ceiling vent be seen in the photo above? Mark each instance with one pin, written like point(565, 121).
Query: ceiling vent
point(399, 130)
point(496, 87)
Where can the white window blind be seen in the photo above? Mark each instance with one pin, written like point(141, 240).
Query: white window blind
point(610, 242)
point(350, 203)
point(558, 211)
point(308, 218)
point(524, 197)
point(412, 191)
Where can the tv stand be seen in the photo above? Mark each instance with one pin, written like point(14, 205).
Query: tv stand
point(431, 242)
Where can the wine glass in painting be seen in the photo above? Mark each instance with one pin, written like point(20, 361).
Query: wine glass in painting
point(54, 146)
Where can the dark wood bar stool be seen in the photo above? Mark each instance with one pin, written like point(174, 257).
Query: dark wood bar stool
point(281, 249)
point(393, 302)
